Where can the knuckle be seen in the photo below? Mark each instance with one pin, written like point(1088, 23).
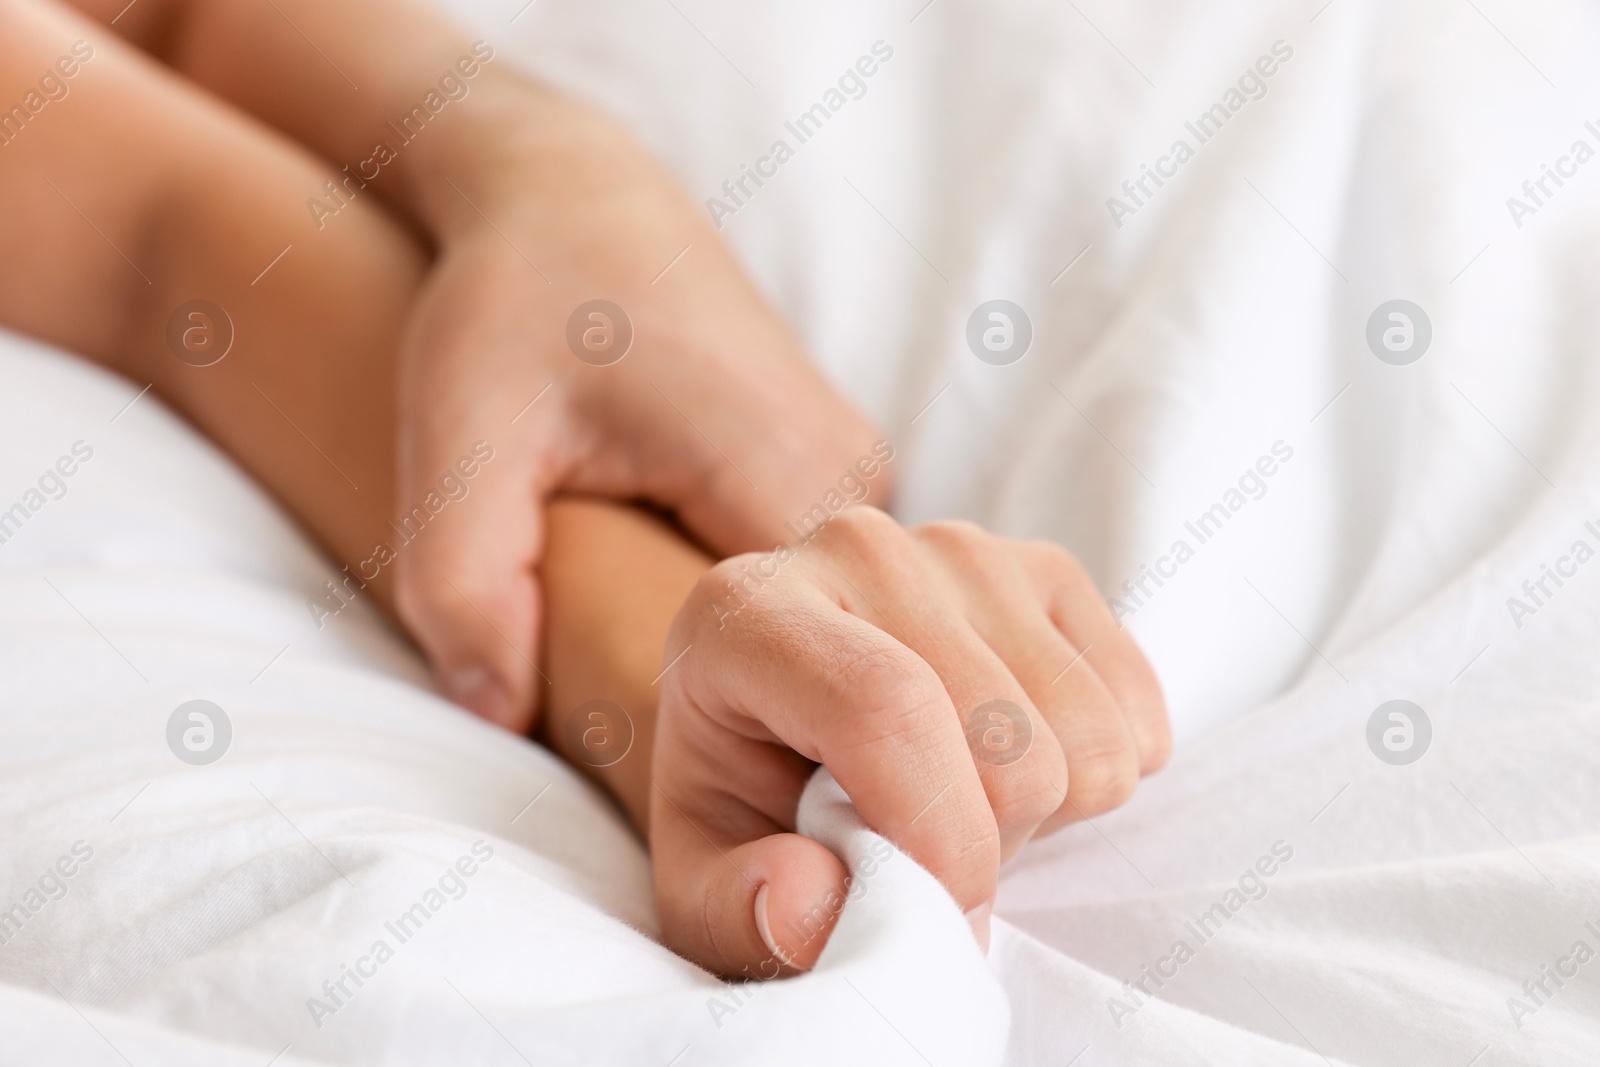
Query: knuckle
point(888, 687)
point(866, 518)
point(1137, 691)
point(723, 574)
point(865, 534)
point(965, 544)
point(1103, 778)
point(959, 533)
point(1058, 563)
point(728, 589)
point(1032, 796)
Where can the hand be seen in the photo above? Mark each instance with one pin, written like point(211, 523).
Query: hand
point(877, 651)
point(533, 205)
point(713, 411)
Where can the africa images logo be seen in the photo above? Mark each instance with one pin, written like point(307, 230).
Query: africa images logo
point(1252, 85)
point(851, 85)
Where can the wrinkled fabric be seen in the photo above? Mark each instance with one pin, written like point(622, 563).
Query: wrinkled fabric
point(1289, 890)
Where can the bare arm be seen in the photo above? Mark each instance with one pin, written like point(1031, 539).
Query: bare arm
point(614, 579)
point(538, 210)
point(303, 399)
point(340, 77)
point(132, 195)
point(870, 650)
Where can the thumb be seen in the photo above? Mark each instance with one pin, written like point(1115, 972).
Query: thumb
point(755, 910)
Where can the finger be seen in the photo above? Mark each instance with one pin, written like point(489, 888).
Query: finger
point(1082, 714)
point(794, 669)
point(467, 591)
point(1077, 609)
point(735, 892)
point(468, 528)
point(886, 576)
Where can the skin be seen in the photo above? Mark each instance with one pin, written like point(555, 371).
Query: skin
point(869, 649)
point(148, 194)
point(533, 205)
point(875, 650)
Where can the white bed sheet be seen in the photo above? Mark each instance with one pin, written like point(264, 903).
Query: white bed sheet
point(1225, 316)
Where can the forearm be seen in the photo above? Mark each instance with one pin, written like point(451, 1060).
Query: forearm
point(149, 196)
point(304, 397)
point(614, 578)
point(391, 94)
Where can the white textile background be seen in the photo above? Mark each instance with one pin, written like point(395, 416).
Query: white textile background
point(1419, 905)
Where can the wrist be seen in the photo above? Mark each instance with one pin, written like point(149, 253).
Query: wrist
point(513, 141)
point(613, 579)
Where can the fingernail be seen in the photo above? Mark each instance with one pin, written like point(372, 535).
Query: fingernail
point(477, 690)
point(764, 926)
point(978, 918)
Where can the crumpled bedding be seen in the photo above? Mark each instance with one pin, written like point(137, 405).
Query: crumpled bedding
point(1321, 875)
